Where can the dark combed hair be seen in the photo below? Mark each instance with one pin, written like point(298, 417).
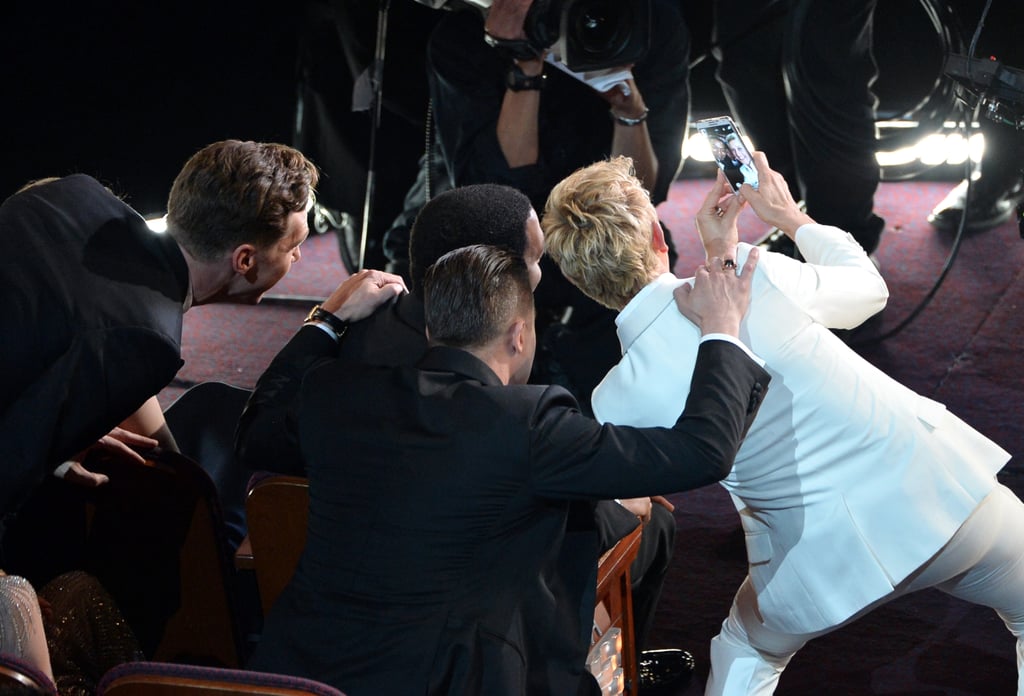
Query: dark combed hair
point(234, 192)
point(471, 294)
point(492, 214)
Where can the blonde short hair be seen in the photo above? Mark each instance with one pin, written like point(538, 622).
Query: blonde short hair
point(597, 227)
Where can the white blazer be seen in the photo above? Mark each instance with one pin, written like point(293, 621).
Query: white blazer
point(847, 481)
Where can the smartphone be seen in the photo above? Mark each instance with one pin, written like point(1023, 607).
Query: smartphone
point(727, 147)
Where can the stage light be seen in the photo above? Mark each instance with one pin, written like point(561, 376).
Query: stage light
point(157, 224)
point(946, 148)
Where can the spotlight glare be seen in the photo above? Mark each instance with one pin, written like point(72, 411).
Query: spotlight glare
point(933, 149)
point(157, 224)
point(905, 155)
point(696, 148)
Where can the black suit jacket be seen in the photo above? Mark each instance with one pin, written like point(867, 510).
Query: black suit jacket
point(267, 439)
point(439, 495)
point(91, 325)
point(267, 434)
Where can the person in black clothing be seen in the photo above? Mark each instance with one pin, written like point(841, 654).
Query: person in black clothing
point(496, 120)
point(797, 75)
point(95, 299)
point(441, 493)
point(267, 437)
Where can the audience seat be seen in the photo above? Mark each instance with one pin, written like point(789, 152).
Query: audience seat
point(277, 509)
point(19, 677)
point(163, 679)
point(156, 541)
point(615, 600)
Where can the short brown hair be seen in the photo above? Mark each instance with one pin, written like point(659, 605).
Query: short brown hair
point(597, 228)
point(233, 192)
point(470, 294)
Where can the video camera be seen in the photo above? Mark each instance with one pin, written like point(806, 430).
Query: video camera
point(996, 90)
point(585, 34)
point(999, 88)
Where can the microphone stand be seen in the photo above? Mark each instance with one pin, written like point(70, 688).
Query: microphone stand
point(377, 85)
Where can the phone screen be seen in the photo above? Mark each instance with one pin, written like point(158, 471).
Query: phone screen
point(727, 147)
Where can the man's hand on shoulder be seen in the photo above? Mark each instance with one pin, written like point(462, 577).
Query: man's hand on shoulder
point(360, 294)
point(719, 297)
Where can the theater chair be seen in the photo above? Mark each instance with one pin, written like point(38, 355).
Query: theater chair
point(277, 508)
point(19, 677)
point(156, 541)
point(166, 679)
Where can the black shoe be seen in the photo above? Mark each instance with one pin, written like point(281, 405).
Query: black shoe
point(660, 669)
point(989, 206)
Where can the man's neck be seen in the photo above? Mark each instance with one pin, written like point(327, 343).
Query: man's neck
point(208, 280)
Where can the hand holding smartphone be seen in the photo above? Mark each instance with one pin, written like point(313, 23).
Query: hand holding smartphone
point(727, 147)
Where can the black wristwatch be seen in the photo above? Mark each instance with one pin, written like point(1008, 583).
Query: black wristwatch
point(518, 81)
point(321, 315)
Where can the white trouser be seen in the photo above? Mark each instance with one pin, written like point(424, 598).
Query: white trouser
point(983, 563)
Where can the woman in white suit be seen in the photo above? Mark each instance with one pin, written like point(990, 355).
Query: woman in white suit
point(851, 488)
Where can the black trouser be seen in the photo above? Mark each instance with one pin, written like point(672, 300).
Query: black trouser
point(650, 567)
point(799, 83)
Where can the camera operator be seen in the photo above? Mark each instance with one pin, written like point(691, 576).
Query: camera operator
point(503, 114)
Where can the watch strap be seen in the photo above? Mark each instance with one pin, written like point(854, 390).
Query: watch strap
point(518, 81)
point(320, 315)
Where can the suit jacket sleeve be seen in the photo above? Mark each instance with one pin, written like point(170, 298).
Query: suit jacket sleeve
point(838, 286)
point(267, 434)
point(574, 456)
point(96, 384)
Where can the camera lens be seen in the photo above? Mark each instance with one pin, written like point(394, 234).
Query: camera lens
point(600, 27)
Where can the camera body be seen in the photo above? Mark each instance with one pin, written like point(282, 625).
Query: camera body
point(585, 35)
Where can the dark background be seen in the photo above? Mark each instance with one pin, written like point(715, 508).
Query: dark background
point(128, 91)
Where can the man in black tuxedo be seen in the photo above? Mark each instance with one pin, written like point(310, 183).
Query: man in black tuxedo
point(439, 492)
point(94, 299)
point(483, 213)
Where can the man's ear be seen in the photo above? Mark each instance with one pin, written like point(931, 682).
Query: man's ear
point(658, 237)
point(517, 336)
point(243, 259)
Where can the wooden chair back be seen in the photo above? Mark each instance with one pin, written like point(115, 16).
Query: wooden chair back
point(615, 600)
point(277, 509)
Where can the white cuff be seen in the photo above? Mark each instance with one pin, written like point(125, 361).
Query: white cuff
point(733, 340)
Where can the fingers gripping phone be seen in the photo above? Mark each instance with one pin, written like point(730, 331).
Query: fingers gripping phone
point(730, 153)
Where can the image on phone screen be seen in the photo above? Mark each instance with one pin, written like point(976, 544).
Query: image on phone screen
point(727, 147)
